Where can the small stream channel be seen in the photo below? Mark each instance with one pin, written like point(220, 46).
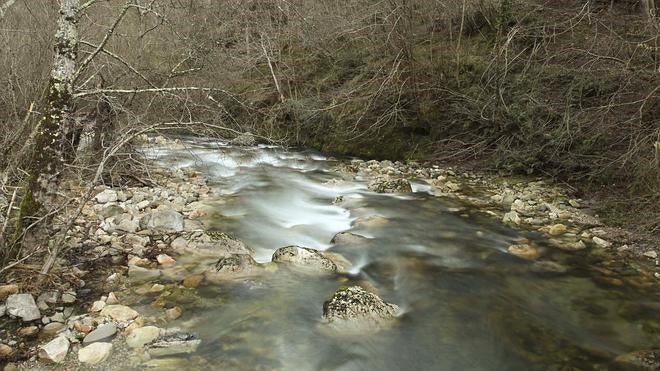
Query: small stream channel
point(468, 305)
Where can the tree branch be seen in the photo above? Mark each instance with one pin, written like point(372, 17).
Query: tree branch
point(122, 61)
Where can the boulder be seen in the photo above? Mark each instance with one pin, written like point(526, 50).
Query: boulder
point(387, 185)
point(24, 306)
point(163, 220)
point(55, 350)
point(245, 140)
point(103, 333)
point(119, 313)
point(305, 258)
point(94, 353)
point(354, 309)
point(165, 261)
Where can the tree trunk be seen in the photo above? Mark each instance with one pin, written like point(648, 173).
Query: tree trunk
point(648, 6)
point(55, 128)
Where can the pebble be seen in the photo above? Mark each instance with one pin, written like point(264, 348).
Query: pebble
point(52, 328)
point(112, 299)
point(6, 290)
point(5, 350)
point(157, 287)
point(651, 254)
point(28, 331)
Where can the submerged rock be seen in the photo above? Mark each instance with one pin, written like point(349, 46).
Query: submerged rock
point(172, 342)
point(348, 238)
point(24, 306)
point(305, 258)
point(354, 309)
point(525, 251)
point(211, 243)
point(387, 185)
point(231, 266)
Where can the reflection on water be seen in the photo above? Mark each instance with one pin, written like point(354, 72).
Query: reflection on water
point(468, 305)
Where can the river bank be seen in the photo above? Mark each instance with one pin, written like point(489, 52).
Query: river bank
point(143, 257)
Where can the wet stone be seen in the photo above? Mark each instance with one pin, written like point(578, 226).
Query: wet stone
point(104, 332)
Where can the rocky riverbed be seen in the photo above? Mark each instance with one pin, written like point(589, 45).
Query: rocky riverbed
point(165, 258)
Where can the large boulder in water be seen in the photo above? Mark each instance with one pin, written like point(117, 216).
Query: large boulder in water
point(304, 257)
point(355, 309)
point(245, 139)
point(388, 185)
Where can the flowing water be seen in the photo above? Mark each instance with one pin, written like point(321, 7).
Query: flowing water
point(467, 304)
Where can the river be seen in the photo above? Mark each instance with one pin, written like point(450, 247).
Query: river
point(467, 304)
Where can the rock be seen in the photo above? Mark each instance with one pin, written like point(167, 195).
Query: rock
point(165, 261)
point(568, 246)
point(6, 290)
point(28, 331)
point(139, 262)
point(245, 140)
point(348, 238)
point(157, 287)
point(375, 221)
point(5, 351)
point(574, 203)
point(48, 297)
point(53, 328)
point(94, 353)
point(103, 333)
point(213, 244)
point(651, 254)
point(172, 342)
point(601, 242)
point(97, 306)
point(232, 266)
point(173, 313)
point(163, 220)
point(354, 309)
point(112, 299)
point(387, 185)
point(106, 196)
point(138, 274)
point(304, 257)
point(525, 251)
point(111, 211)
point(511, 217)
point(142, 336)
point(69, 297)
point(640, 360)
point(556, 230)
point(57, 317)
point(23, 305)
point(126, 223)
point(119, 313)
point(343, 264)
point(3, 310)
point(55, 350)
point(193, 281)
